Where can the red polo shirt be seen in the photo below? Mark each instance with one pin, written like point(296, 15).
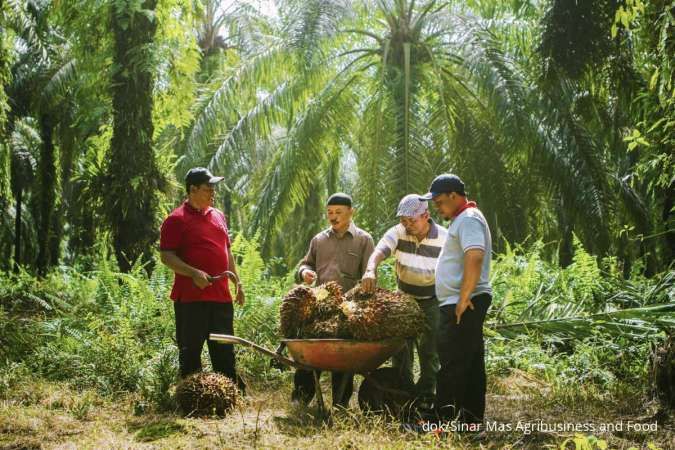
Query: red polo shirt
point(200, 239)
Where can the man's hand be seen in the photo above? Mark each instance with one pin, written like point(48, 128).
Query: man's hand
point(308, 276)
point(461, 308)
point(473, 260)
point(275, 363)
point(368, 282)
point(200, 279)
point(240, 299)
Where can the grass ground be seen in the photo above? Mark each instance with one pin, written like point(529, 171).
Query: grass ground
point(49, 415)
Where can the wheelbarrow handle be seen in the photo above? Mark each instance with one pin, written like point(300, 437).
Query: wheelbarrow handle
point(229, 339)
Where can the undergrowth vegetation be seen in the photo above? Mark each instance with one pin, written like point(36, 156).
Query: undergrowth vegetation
point(580, 328)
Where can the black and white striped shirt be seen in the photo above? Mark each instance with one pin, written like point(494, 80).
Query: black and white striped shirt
point(415, 261)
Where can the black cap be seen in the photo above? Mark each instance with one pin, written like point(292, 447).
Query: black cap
point(444, 184)
point(339, 198)
point(200, 175)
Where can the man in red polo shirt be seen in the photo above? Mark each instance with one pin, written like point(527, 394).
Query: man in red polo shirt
point(195, 244)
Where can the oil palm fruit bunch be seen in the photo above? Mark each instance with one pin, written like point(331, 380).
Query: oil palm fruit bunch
point(328, 321)
point(334, 290)
point(331, 328)
point(382, 315)
point(297, 307)
point(324, 312)
point(328, 300)
point(206, 394)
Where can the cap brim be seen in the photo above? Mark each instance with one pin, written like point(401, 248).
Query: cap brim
point(214, 180)
point(407, 214)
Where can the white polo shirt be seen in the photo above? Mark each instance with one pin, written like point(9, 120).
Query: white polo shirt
point(466, 231)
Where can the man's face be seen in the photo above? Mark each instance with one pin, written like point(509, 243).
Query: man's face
point(339, 216)
point(203, 195)
point(415, 226)
point(446, 204)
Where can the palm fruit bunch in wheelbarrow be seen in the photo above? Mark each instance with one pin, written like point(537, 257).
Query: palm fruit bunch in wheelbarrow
point(297, 308)
point(328, 320)
point(324, 312)
point(382, 315)
point(206, 394)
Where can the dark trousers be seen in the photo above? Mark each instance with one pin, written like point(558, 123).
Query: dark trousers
point(194, 322)
point(461, 382)
point(304, 386)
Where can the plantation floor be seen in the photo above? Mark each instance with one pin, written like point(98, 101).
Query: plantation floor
point(48, 415)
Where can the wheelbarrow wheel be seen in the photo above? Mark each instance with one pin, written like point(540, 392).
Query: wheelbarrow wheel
point(385, 391)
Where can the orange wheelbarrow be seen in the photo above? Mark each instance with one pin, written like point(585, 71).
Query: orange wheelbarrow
point(339, 355)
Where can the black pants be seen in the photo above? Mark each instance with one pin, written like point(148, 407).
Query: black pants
point(194, 322)
point(304, 385)
point(461, 383)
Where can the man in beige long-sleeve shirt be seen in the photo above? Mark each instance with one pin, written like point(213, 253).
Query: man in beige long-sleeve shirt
point(339, 253)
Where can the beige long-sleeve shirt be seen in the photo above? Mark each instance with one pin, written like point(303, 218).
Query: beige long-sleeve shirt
point(343, 260)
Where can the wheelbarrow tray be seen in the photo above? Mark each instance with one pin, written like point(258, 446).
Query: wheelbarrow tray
point(343, 355)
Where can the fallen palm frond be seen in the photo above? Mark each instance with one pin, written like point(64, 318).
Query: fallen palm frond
point(632, 322)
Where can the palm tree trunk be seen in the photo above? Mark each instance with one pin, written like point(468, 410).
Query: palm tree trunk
point(56, 235)
point(66, 154)
point(133, 176)
point(47, 193)
point(17, 230)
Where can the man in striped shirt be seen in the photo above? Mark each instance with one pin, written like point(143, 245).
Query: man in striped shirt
point(415, 244)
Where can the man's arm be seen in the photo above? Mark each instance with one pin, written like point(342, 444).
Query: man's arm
point(369, 280)
point(306, 272)
point(473, 262)
point(385, 247)
point(173, 261)
point(233, 268)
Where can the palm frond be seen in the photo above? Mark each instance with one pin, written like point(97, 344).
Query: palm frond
point(256, 124)
point(560, 145)
point(309, 23)
point(59, 82)
point(302, 155)
point(631, 322)
point(215, 110)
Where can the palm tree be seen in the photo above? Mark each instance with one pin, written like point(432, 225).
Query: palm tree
point(319, 80)
point(387, 82)
point(411, 89)
point(612, 91)
point(42, 69)
point(133, 177)
point(25, 144)
point(5, 170)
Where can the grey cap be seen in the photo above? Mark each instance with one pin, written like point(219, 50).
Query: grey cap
point(412, 205)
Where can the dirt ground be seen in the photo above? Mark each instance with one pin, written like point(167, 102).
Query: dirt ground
point(523, 413)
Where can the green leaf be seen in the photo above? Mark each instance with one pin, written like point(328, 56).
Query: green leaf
point(654, 79)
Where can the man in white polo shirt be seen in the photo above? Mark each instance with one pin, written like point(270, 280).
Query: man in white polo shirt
point(464, 295)
point(415, 244)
